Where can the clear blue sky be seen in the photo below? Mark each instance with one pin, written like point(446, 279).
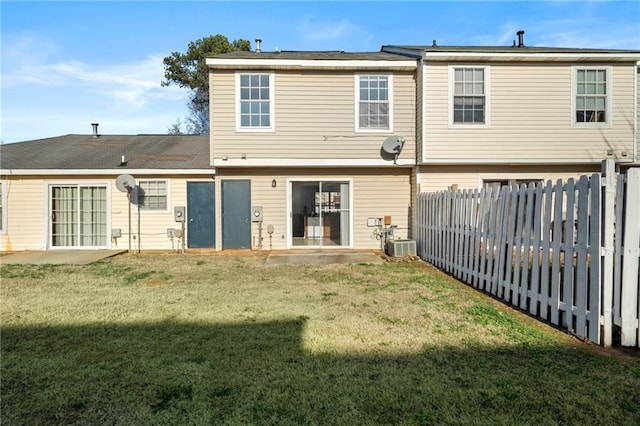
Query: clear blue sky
point(68, 64)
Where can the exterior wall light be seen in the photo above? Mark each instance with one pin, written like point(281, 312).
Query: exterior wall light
point(274, 183)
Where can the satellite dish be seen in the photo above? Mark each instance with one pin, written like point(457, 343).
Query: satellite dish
point(125, 183)
point(392, 146)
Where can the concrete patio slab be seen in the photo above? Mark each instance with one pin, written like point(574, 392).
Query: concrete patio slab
point(58, 257)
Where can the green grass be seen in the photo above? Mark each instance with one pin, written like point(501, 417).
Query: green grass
point(172, 339)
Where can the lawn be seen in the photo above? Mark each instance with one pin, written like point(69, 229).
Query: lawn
point(185, 339)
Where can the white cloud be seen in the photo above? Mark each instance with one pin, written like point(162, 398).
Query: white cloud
point(504, 36)
point(327, 31)
point(135, 83)
point(67, 94)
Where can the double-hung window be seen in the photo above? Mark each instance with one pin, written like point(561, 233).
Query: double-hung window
point(374, 110)
point(255, 101)
point(591, 96)
point(469, 99)
point(152, 195)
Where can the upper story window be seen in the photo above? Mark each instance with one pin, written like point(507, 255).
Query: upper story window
point(255, 101)
point(591, 95)
point(469, 95)
point(152, 194)
point(374, 110)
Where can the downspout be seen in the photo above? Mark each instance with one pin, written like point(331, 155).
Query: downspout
point(637, 113)
point(423, 130)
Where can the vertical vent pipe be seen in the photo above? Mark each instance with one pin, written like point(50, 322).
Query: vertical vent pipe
point(520, 38)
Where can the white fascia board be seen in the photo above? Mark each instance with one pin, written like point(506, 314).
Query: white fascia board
point(533, 57)
point(102, 172)
point(298, 162)
point(517, 161)
point(222, 63)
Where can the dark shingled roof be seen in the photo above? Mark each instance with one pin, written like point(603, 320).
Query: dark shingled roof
point(106, 151)
point(508, 49)
point(313, 55)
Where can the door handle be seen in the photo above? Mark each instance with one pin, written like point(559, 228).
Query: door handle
point(190, 220)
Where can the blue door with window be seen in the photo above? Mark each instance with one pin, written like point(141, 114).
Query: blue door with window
point(201, 223)
point(236, 214)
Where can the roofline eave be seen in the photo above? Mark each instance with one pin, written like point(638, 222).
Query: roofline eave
point(294, 64)
point(103, 172)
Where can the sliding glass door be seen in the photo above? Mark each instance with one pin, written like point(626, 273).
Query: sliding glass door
point(78, 216)
point(320, 214)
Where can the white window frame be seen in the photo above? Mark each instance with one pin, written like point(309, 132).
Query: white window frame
point(272, 107)
point(47, 212)
point(289, 183)
point(3, 205)
point(145, 210)
point(487, 96)
point(574, 94)
point(356, 84)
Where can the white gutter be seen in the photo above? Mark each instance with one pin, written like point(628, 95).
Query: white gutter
point(531, 56)
point(103, 172)
point(275, 63)
point(517, 161)
point(303, 162)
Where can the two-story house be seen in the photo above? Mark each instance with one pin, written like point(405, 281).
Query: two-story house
point(301, 135)
point(500, 115)
point(320, 145)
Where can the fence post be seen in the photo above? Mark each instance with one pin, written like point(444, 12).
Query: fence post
point(610, 182)
point(631, 251)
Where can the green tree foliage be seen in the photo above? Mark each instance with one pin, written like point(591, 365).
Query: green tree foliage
point(189, 70)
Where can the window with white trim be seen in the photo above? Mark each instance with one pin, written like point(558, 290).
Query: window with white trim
point(152, 194)
point(592, 99)
point(3, 207)
point(255, 101)
point(373, 105)
point(469, 103)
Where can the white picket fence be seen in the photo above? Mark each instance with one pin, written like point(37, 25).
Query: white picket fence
point(566, 252)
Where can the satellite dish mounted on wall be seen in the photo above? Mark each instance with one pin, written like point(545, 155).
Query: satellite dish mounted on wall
point(125, 183)
point(392, 146)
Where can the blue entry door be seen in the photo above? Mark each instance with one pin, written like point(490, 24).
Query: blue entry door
point(236, 214)
point(201, 224)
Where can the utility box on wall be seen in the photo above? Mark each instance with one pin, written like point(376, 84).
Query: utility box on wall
point(256, 213)
point(179, 213)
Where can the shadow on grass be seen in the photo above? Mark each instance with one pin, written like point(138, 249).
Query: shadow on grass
point(260, 373)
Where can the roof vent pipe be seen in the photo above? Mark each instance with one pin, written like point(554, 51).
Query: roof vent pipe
point(95, 129)
point(258, 42)
point(520, 38)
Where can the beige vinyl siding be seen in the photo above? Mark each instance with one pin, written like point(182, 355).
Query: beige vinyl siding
point(26, 215)
point(437, 178)
point(420, 87)
point(375, 193)
point(154, 224)
point(314, 118)
point(530, 117)
point(271, 199)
